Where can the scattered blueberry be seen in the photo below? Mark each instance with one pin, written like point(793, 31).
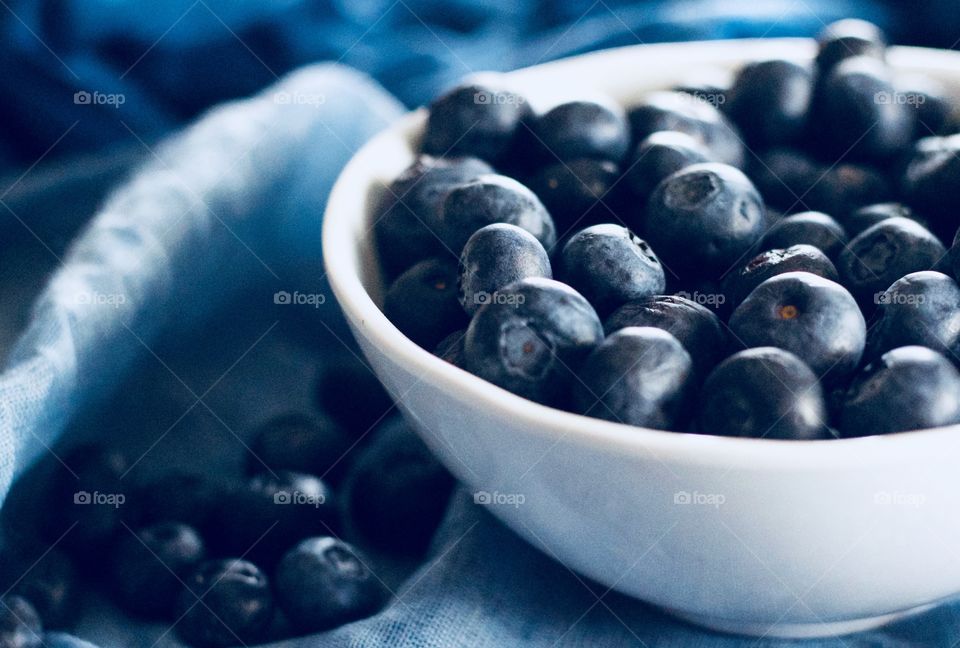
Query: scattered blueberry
point(769, 101)
point(763, 392)
point(578, 192)
point(921, 308)
point(428, 287)
point(810, 228)
point(583, 129)
point(300, 443)
point(907, 388)
point(20, 625)
point(495, 256)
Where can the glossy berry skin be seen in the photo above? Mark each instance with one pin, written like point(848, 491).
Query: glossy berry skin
point(869, 215)
point(610, 265)
point(809, 228)
point(323, 583)
point(922, 308)
point(578, 192)
point(299, 443)
point(814, 318)
point(475, 119)
point(678, 111)
point(883, 253)
point(397, 492)
point(529, 339)
point(859, 111)
point(907, 388)
point(702, 219)
point(582, 129)
point(764, 392)
point(696, 327)
point(497, 255)
point(147, 568)
point(20, 625)
point(351, 394)
point(796, 258)
point(428, 287)
point(847, 38)
point(51, 584)
point(237, 604)
point(639, 376)
point(932, 172)
point(450, 348)
point(769, 101)
point(407, 220)
point(659, 155)
point(492, 199)
point(176, 497)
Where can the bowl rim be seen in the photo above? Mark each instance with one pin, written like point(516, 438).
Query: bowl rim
point(342, 261)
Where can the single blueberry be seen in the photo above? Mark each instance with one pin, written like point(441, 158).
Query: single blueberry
point(300, 443)
point(764, 392)
point(497, 255)
point(662, 154)
point(492, 199)
point(810, 228)
point(848, 38)
point(226, 602)
point(324, 582)
point(428, 287)
point(639, 376)
point(921, 308)
point(862, 218)
point(147, 567)
point(697, 328)
point(529, 340)
point(812, 317)
point(702, 219)
point(796, 258)
point(20, 625)
point(907, 388)
point(477, 119)
point(610, 265)
point(583, 129)
point(932, 171)
point(883, 253)
point(769, 101)
point(578, 192)
point(351, 394)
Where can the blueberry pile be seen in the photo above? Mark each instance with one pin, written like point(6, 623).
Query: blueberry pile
point(761, 259)
point(299, 541)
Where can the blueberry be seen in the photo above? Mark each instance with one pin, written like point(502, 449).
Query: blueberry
point(351, 394)
point(907, 388)
point(610, 265)
point(299, 443)
point(659, 155)
point(921, 308)
point(812, 317)
point(640, 376)
point(677, 111)
point(883, 253)
point(763, 392)
point(859, 112)
point(324, 582)
point(450, 348)
point(787, 177)
point(796, 258)
point(495, 256)
point(20, 625)
point(226, 602)
point(531, 337)
point(579, 191)
point(583, 129)
point(493, 199)
point(862, 218)
point(809, 228)
point(176, 497)
point(50, 583)
point(406, 223)
point(428, 287)
point(147, 567)
point(769, 101)
point(930, 102)
point(932, 172)
point(702, 219)
point(696, 327)
point(396, 492)
point(845, 187)
point(268, 513)
point(477, 119)
point(848, 38)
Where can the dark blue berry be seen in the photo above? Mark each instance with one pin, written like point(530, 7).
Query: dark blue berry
point(931, 103)
point(529, 339)
point(702, 219)
point(578, 192)
point(810, 228)
point(20, 625)
point(582, 129)
point(786, 177)
point(299, 443)
point(847, 38)
point(769, 101)
point(907, 388)
point(610, 265)
point(659, 155)
point(324, 582)
point(428, 287)
point(812, 317)
point(921, 308)
point(932, 172)
point(796, 258)
point(640, 376)
point(868, 215)
point(495, 256)
point(225, 603)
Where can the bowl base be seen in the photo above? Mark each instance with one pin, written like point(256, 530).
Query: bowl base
point(796, 630)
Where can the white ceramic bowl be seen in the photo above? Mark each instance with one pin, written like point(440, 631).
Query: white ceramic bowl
point(750, 536)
